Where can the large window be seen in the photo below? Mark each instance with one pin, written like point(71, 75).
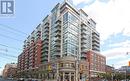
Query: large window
point(65, 18)
point(53, 37)
point(70, 34)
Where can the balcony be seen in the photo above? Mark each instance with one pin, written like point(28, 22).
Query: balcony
point(95, 43)
point(57, 50)
point(38, 33)
point(96, 33)
point(84, 50)
point(58, 39)
point(46, 24)
point(57, 44)
point(45, 47)
point(44, 60)
point(58, 34)
point(32, 38)
point(84, 46)
point(95, 48)
point(45, 51)
point(83, 33)
point(46, 39)
point(83, 23)
point(83, 38)
point(56, 54)
point(57, 47)
point(95, 36)
point(44, 55)
point(58, 30)
point(83, 56)
point(46, 31)
point(95, 40)
point(45, 42)
point(58, 21)
point(58, 25)
point(83, 42)
point(47, 27)
point(46, 35)
point(83, 29)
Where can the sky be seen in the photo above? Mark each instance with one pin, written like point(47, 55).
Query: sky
point(112, 18)
point(113, 24)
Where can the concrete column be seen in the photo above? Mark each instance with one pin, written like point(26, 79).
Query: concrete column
point(57, 77)
point(63, 76)
point(74, 77)
point(70, 76)
point(77, 70)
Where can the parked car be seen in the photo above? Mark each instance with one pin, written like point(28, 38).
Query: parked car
point(34, 80)
point(21, 79)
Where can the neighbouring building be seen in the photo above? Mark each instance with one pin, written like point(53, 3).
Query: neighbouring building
point(66, 34)
point(97, 63)
point(124, 69)
point(109, 69)
point(10, 71)
point(129, 63)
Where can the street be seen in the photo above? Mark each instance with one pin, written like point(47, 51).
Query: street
point(6, 80)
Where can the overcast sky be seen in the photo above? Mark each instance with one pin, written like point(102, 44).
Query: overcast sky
point(113, 24)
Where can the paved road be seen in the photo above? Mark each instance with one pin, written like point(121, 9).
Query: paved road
point(6, 80)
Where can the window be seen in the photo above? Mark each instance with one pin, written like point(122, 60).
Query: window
point(53, 18)
point(72, 18)
point(72, 65)
point(61, 64)
point(70, 34)
point(65, 18)
point(67, 65)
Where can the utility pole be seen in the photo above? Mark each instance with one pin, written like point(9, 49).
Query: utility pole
point(113, 71)
point(77, 70)
point(77, 67)
point(126, 68)
point(57, 71)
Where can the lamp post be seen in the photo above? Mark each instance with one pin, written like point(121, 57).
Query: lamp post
point(126, 68)
point(112, 71)
point(77, 69)
point(125, 73)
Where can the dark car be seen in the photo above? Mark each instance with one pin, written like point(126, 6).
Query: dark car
point(20, 79)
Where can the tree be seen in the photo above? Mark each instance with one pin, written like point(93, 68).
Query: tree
point(104, 76)
point(119, 76)
point(128, 77)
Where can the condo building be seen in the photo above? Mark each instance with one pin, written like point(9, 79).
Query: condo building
point(9, 71)
point(67, 33)
point(109, 69)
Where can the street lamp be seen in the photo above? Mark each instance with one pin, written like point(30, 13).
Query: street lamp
point(126, 68)
point(77, 69)
point(112, 71)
